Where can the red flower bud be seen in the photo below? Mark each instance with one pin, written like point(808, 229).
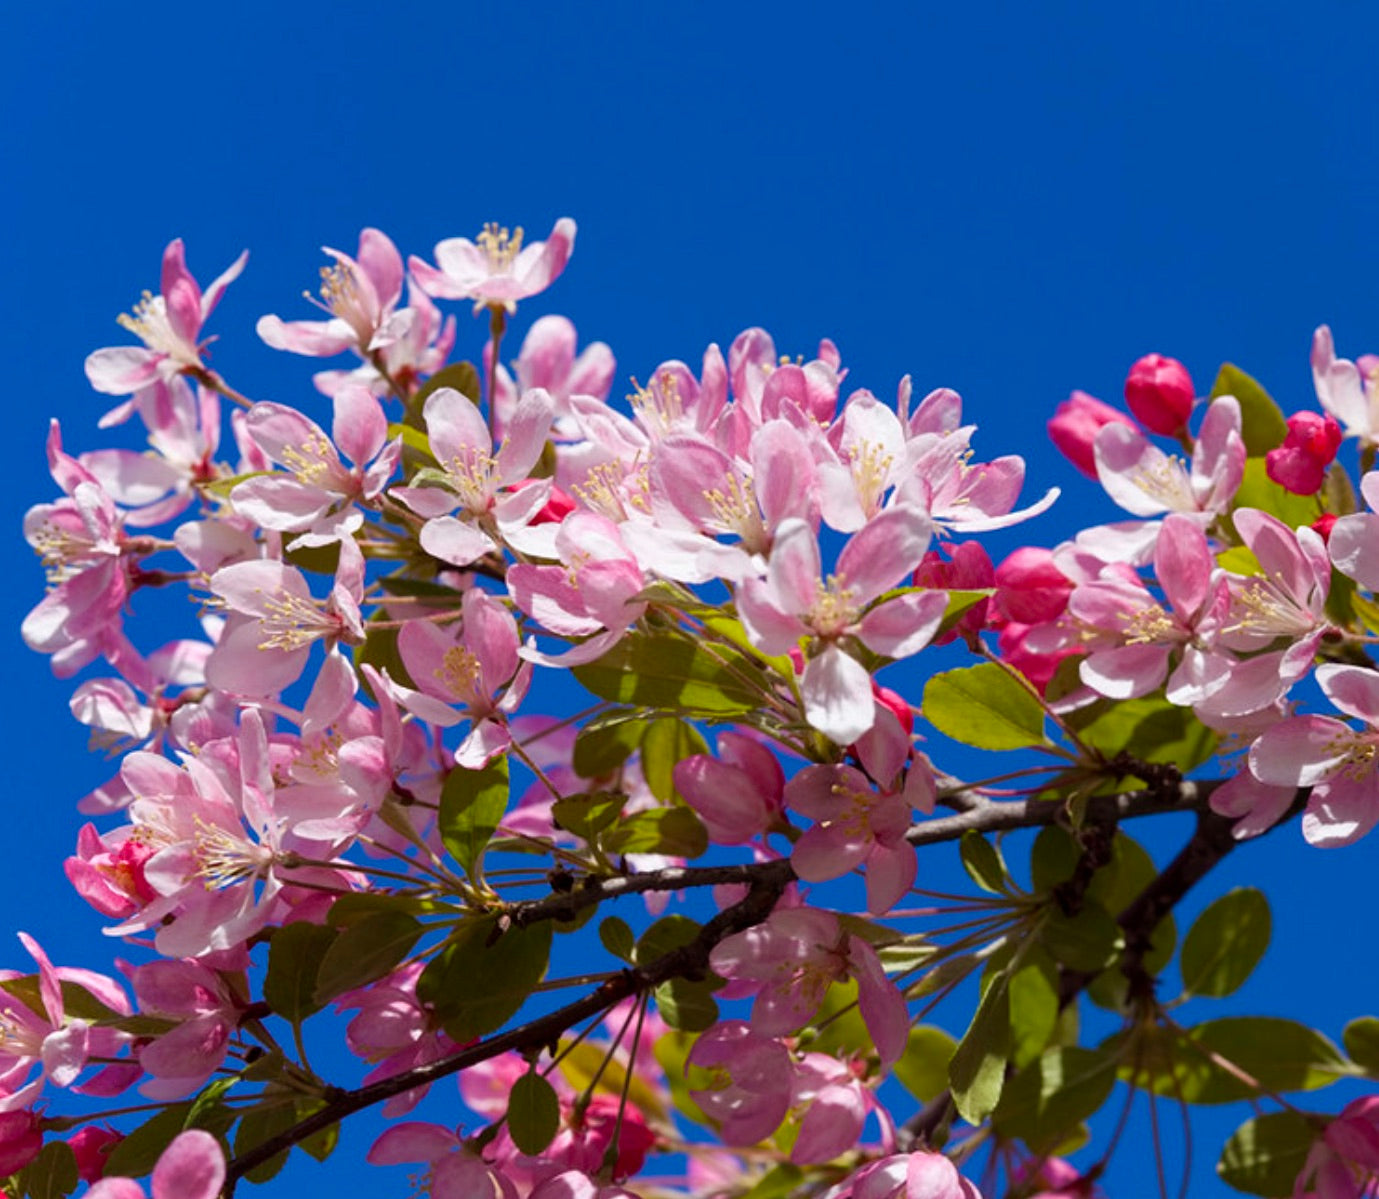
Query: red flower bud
point(1030, 589)
point(1323, 524)
point(1160, 393)
point(1300, 463)
point(91, 1146)
point(1074, 426)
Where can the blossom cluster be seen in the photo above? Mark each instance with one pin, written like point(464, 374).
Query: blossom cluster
point(325, 766)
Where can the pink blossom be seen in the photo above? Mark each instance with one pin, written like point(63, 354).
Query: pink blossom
point(471, 474)
point(453, 1170)
point(793, 601)
point(791, 960)
point(1326, 754)
point(21, 1139)
point(1344, 1162)
point(1300, 463)
point(751, 1088)
point(1144, 480)
point(1159, 392)
point(192, 1167)
point(548, 361)
point(359, 296)
point(1354, 541)
point(205, 1012)
point(738, 795)
point(1074, 426)
point(168, 325)
point(918, 1175)
point(1344, 390)
point(274, 620)
point(394, 1031)
point(1030, 588)
point(318, 481)
point(966, 567)
point(496, 269)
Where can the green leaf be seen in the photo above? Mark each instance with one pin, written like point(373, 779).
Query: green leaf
point(1262, 424)
point(473, 802)
point(676, 832)
point(1225, 943)
point(1150, 728)
point(606, 743)
point(670, 673)
point(416, 447)
point(1033, 1007)
point(923, 1067)
point(1281, 1055)
point(360, 905)
point(261, 1124)
point(137, 1154)
point(838, 1027)
point(52, 1174)
point(977, 1070)
point(1257, 490)
point(77, 1002)
point(380, 651)
point(960, 603)
point(462, 376)
point(668, 934)
point(688, 1005)
point(319, 1145)
point(1051, 1096)
point(294, 958)
point(1087, 941)
point(1265, 1155)
point(983, 706)
point(667, 743)
point(617, 937)
point(482, 976)
point(588, 814)
point(779, 1182)
point(983, 862)
point(533, 1113)
point(1361, 1041)
point(365, 951)
point(1053, 859)
point(1239, 560)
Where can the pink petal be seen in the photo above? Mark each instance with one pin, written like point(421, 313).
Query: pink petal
point(192, 1167)
point(837, 696)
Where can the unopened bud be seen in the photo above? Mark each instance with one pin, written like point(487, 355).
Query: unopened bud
point(1300, 463)
point(1160, 393)
point(1074, 426)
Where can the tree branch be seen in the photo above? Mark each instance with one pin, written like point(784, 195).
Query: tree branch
point(767, 886)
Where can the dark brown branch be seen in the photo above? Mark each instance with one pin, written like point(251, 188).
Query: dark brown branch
point(767, 887)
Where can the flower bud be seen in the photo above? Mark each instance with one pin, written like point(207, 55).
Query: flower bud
point(1160, 393)
point(91, 1146)
point(1030, 589)
point(21, 1140)
point(1323, 525)
point(1300, 463)
point(1074, 426)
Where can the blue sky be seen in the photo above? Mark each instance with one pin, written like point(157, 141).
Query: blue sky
point(1009, 199)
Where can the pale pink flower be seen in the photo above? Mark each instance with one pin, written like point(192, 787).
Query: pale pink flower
point(789, 962)
point(319, 482)
point(495, 269)
point(274, 620)
point(466, 670)
point(395, 1031)
point(359, 297)
point(192, 1167)
point(472, 473)
point(1254, 806)
point(1328, 755)
point(752, 1076)
point(453, 1171)
point(738, 794)
point(1344, 389)
point(1354, 541)
point(182, 1059)
point(834, 1105)
point(548, 361)
point(918, 1175)
point(1145, 481)
point(793, 601)
point(168, 325)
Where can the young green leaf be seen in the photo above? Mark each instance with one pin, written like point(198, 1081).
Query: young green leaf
point(983, 706)
point(1225, 943)
point(294, 959)
point(472, 804)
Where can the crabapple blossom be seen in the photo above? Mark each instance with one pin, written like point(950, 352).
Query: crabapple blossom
point(496, 269)
point(1073, 428)
point(191, 1167)
point(1300, 463)
point(168, 324)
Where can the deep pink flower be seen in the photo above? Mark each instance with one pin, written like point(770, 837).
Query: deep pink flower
point(1300, 463)
point(1030, 588)
point(496, 269)
point(1160, 393)
point(91, 1146)
point(1075, 424)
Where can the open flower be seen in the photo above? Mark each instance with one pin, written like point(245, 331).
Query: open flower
point(495, 269)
